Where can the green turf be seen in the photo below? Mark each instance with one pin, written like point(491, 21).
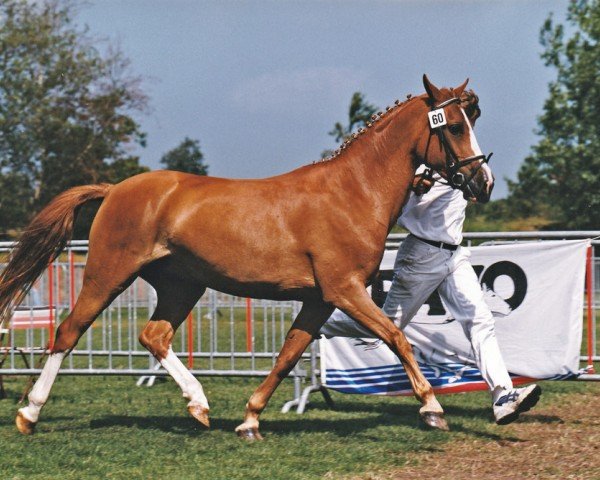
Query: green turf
point(105, 427)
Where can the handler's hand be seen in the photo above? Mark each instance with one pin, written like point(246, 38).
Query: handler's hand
point(422, 184)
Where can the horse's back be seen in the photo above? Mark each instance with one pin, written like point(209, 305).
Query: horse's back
point(236, 235)
point(225, 229)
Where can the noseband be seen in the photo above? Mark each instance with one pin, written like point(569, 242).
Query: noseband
point(453, 176)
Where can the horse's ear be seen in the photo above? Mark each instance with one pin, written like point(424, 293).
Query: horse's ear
point(432, 91)
point(461, 88)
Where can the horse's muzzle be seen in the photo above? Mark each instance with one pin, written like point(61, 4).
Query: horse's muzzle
point(479, 188)
point(484, 195)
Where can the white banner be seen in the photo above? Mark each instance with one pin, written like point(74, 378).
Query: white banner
point(535, 291)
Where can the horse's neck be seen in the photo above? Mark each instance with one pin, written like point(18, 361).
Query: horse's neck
point(382, 160)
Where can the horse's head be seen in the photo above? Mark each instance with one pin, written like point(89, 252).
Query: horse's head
point(451, 147)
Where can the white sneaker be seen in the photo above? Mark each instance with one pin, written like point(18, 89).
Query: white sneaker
point(512, 403)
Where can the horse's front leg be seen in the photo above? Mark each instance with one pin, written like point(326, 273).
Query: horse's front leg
point(356, 302)
point(305, 327)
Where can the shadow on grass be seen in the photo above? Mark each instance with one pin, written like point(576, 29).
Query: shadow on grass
point(389, 407)
point(407, 412)
point(460, 418)
point(8, 420)
point(537, 418)
point(472, 413)
point(293, 426)
point(486, 414)
point(181, 425)
point(487, 435)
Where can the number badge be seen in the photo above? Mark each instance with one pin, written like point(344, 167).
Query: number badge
point(437, 118)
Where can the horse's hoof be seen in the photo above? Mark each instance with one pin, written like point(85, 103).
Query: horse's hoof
point(26, 427)
point(200, 413)
point(249, 434)
point(435, 420)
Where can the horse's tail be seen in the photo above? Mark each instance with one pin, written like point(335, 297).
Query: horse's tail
point(41, 242)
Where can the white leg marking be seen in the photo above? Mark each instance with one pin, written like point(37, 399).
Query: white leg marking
point(190, 386)
point(41, 390)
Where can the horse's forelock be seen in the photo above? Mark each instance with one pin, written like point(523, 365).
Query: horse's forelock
point(469, 101)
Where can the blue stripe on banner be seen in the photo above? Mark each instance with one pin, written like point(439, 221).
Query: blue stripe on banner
point(566, 376)
point(357, 371)
point(339, 379)
point(395, 387)
point(363, 370)
point(379, 389)
point(446, 370)
point(386, 384)
point(394, 371)
point(360, 381)
point(389, 379)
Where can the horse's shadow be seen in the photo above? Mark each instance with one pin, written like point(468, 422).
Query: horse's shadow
point(291, 426)
point(407, 412)
point(168, 424)
point(375, 415)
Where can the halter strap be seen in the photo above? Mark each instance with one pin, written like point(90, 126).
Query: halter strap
point(446, 102)
point(453, 177)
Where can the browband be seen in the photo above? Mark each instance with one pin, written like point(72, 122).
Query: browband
point(447, 102)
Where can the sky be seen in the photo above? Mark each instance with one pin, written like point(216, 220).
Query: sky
point(261, 83)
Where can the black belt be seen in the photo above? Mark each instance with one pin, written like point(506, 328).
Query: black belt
point(445, 246)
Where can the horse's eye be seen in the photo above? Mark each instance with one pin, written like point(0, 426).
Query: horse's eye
point(455, 129)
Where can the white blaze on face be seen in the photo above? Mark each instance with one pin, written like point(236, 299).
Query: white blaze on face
point(477, 151)
point(472, 138)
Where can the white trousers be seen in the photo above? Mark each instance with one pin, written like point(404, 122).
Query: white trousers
point(419, 270)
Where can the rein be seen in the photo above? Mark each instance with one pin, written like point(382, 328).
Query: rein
point(454, 178)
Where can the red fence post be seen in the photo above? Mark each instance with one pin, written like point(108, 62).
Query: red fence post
point(249, 332)
point(51, 302)
point(190, 340)
point(71, 280)
point(57, 276)
point(590, 310)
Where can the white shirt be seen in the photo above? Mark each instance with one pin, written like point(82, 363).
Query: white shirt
point(437, 215)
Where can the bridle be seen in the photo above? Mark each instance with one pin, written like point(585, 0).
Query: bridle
point(451, 173)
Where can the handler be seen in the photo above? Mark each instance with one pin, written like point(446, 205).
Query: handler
point(431, 258)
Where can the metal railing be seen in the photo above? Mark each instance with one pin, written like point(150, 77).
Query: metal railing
point(223, 336)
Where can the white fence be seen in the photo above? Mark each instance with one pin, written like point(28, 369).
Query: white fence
point(223, 336)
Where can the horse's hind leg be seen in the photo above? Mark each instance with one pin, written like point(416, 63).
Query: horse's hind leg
point(305, 327)
point(175, 300)
point(109, 270)
point(357, 303)
point(96, 294)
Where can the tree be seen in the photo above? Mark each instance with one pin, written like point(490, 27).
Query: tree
point(186, 157)
point(65, 108)
point(562, 175)
point(359, 113)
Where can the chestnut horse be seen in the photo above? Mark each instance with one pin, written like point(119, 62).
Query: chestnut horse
point(315, 235)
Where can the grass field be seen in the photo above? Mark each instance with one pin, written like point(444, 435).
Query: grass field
point(107, 428)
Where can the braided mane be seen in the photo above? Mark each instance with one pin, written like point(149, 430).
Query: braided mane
point(375, 118)
point(469, 101)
